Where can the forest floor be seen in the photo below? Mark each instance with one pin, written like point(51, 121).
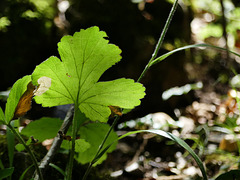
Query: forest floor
point(210, 126)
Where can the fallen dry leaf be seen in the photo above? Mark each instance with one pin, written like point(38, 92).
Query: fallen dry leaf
point(115, 110)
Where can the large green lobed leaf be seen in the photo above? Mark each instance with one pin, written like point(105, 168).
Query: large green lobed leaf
point(85, 56)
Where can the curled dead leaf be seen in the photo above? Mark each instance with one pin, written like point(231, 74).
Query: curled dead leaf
point(115, 110)
point(24, 104)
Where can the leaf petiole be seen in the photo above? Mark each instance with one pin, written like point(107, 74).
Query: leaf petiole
point(72, 151)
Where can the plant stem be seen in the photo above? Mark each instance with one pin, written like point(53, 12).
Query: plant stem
point(72, 151)
point(28, 149)
point(224, 27)
point(106, 136)
point(160, 40)
point(100, 148)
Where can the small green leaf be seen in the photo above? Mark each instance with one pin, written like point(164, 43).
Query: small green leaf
point(85, 56)
point(4, 173)
point(94, 134)
point(20, 147)
point(44, 128)
point(18, 89)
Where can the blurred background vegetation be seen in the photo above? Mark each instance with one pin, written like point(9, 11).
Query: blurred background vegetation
point(30, 30)
point(204, 77)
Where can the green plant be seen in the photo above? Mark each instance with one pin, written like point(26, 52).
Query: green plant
point(85, 56)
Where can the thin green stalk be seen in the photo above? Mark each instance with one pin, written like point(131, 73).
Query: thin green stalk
point(11, 147)
point(28, 149)
point(161, 38)
point(100, 148)
point(107, 135)
point(72, 151)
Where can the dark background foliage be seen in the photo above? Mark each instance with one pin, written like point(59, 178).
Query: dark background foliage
point(30, 39)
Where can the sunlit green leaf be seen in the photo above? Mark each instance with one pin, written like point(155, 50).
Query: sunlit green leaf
point(4, 23)
point(85, 56)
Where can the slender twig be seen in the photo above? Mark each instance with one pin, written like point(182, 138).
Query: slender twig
point(160, 40)
point(16, 133)
point(56, 143)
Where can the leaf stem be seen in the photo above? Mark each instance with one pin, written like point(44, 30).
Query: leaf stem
point(72, 151)
point(17, 134)
point(160, 40)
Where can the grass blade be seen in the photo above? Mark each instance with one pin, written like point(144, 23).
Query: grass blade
point(164, 56)
point(26, 170)
point(58, 169)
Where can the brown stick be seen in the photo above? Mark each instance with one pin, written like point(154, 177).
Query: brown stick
point(56, 143)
